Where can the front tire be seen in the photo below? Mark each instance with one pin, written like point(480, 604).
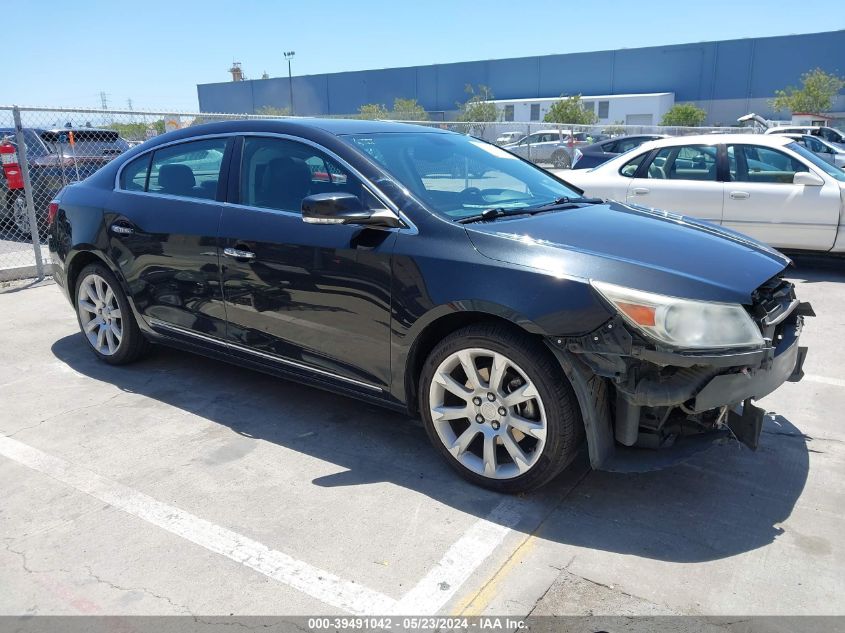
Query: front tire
point(498, 408)
point(105, 317)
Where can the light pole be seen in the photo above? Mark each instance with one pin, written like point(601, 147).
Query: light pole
point(288, 56)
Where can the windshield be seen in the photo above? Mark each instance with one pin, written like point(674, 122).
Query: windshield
point(830, 170)
point(459, 176)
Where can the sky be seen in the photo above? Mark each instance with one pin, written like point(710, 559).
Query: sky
point(155, 52)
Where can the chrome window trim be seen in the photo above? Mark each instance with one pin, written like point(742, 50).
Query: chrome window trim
point(168, 196)
point(157, 323)
point(371, 187)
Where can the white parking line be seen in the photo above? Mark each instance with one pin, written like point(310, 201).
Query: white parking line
point(836, 382)
point(427, 597)
point(315, 582)
point(460, 561)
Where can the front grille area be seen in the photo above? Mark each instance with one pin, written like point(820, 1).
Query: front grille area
point(772, 305)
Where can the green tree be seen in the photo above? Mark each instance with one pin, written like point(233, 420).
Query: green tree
point(616, 129)
point(272, 111)
point(373, 111)
point(818, 89)
point(408, 110)
point(684, 114)
point(130, 131)
point(570, 110)
point(477, 110)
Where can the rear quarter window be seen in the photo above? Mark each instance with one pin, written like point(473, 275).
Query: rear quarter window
point(134, 174)
point(630, 168)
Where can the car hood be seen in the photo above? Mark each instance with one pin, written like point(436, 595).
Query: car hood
point(632, 246)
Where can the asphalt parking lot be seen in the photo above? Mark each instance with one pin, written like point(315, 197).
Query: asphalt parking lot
point(182, 485)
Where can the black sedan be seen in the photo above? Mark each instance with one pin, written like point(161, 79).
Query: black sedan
point(598, 153)
point(514, 315)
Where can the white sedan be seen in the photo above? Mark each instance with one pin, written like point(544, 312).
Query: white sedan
point(768, 187)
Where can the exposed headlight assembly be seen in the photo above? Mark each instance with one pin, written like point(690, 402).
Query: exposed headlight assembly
point(683, 323)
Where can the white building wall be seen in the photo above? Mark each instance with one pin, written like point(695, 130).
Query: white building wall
point(644, 109)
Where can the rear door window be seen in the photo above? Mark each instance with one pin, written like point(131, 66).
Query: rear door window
point(684, 162)
point(628, 144)
point(630, 168)
point(188, 170)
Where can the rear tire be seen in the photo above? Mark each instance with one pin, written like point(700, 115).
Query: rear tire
point(105, 317)
point(510, 427)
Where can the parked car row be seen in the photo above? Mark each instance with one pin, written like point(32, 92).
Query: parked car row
point(769, 187)
point(53, 163)
point(554, 146)
point(829, 134)
point(598, 153)
point(517, 317)
point(833, 153)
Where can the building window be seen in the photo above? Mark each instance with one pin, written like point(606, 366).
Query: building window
point(589, 106)
point(604, 107)
point(535, 111)
point(508, 113)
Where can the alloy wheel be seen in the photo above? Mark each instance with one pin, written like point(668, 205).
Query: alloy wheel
point(487, 413)
point(99, 314)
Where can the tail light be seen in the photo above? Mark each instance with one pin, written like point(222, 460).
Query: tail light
point(52, 210)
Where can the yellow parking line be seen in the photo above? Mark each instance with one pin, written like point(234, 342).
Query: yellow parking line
point(475, 603)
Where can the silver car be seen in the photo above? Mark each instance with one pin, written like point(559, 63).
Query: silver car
point(551, 146)
point(507, 138)
point(830, 152)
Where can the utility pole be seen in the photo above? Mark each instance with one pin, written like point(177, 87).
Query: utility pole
point(129, 103)
point(104, 101)
point(288, 56)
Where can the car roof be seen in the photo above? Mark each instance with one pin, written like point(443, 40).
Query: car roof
point(337, 127)
point(772, 140)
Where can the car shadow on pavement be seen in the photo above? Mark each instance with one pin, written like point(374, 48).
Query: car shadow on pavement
point(817, 268)
point(714, 503)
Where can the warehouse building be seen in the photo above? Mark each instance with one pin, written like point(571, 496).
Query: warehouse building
point(727, 78)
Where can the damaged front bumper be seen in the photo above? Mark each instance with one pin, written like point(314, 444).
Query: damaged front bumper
point(661, 394)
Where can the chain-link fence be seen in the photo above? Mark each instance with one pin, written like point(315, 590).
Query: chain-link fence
point(63, 145)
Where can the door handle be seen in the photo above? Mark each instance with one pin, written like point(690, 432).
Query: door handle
point(640, 191)
point(122, 228)
point(237, 253)
point(740, 195)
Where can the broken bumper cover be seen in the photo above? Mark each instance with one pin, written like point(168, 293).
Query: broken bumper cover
point(709, 388)
point(786, 365)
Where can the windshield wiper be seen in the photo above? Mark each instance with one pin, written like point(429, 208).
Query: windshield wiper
point(491, 214)
point(563, 203)
point(554, 205)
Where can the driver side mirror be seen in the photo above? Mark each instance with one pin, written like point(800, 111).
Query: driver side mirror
point(344, 208)
point(807, 178)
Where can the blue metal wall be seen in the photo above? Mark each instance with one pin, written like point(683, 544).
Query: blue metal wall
point(739, 72)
